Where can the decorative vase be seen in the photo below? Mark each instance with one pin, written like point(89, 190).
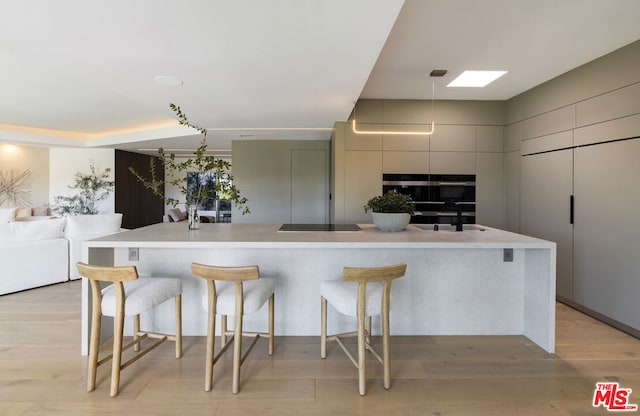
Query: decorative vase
point(386, 221)
point(193, 217)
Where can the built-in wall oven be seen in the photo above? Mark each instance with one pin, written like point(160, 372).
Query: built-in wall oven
point(439, 198)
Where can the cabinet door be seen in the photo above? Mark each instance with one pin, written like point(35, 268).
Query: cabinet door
point(363, 181)
point(309, 186)
point(490, 198)
point(546, 188)
point(607, 234)
point(405, 162)
point(452, 162)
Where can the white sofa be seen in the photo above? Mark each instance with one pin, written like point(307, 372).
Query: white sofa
point(38, 253)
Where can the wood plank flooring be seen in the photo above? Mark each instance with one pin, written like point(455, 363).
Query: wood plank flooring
point(42, 372)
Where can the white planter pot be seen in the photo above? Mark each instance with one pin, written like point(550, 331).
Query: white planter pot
point(390, 221)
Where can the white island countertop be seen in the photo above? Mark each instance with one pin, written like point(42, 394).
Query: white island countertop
point(481, 281)
point(176, 235)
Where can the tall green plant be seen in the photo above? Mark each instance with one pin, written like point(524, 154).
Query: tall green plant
point(92, 188)
point(176, 169)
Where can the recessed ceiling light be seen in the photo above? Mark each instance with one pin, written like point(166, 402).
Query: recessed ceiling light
point(476, 78)
point(167, 80)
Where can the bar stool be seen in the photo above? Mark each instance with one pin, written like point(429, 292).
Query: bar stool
point(362, 292)
point(128, 295)
point(247, 294)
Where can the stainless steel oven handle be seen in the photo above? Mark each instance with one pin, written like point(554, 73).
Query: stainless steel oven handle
point(406, 183)
point(453, 183)
point(444, 214)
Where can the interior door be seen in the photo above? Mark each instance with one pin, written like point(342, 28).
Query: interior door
point(309, 186)
point(607, 233)
point(546, 189)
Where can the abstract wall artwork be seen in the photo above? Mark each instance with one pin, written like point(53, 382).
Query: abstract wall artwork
point(15, 187)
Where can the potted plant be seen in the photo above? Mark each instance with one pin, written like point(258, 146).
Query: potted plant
point(176, 169)
point(391, 211)
point(92, 188)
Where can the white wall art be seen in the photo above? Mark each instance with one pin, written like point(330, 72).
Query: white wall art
point(15, 187)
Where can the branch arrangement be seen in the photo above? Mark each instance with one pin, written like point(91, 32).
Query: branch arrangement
point(223, 190)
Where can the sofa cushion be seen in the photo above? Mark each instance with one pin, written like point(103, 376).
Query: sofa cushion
point(40, 211)
point(87, 227)
point(23, 212)
point(176, 215)
point(29, 264)
point(32, 230)
point(7, 214)
point(92, 225)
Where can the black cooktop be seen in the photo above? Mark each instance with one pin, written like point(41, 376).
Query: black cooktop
point(319, 227)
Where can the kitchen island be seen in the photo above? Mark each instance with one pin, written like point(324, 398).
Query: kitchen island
point(481, 281)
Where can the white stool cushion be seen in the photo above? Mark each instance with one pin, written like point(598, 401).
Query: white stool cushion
point(141, 294)
point(343, 296)
point(256, 293)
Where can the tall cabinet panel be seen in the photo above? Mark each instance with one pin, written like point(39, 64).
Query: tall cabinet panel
point(309, 186)
point(546, 188)
point(490, 201)
point(363, 173)
point(607, 234)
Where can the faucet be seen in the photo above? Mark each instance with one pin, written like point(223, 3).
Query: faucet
point(451, 204)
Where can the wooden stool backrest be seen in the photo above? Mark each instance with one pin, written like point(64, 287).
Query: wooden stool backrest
point(115, 275)
point(225, 273)
point(374, 274)
point(107, 274)
point(364, 275)
point(232, 274)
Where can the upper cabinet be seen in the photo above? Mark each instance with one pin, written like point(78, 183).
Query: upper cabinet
point(448, 138)
point(463, 130)
point(354, 141)
point(490, 139)
point(452, 162)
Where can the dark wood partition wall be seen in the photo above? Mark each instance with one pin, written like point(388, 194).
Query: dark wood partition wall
point(137, 204)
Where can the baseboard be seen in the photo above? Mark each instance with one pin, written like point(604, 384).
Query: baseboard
point(600, 317)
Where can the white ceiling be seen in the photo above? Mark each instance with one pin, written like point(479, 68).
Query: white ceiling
point(80, 73)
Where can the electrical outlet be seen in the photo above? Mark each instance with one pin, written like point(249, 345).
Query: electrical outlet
point(133, 254)
point(507, 255)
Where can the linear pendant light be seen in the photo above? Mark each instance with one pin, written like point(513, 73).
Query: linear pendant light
point(406, 133)
point(434, 73)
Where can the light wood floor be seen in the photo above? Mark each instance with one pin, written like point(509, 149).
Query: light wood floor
point(42, 372)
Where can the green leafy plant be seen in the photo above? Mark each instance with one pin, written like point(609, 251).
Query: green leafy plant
point(223, 190)
point(391, 202)
point(92, 188)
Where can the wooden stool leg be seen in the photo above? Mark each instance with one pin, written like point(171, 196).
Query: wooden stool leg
point(362, 373)
point(323, 327)
point(385, 349)
point(237, 351)
point(94, 345)
point(136, 329)
point(223, 330)
point(118, 321)
point(362, 370)
point(178, 326)
point(368, 330)
point(271, 323)
point(211, 337)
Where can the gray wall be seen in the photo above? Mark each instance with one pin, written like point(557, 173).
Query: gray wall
point(269, 174)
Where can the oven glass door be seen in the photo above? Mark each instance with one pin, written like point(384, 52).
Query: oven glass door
point(431, 194)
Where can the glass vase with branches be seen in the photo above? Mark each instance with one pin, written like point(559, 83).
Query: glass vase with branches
point(176, 168)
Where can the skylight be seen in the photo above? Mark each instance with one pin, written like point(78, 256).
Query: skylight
point(476, 78)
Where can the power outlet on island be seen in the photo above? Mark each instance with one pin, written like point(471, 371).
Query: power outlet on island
point(133, 254)
point(507, 255)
